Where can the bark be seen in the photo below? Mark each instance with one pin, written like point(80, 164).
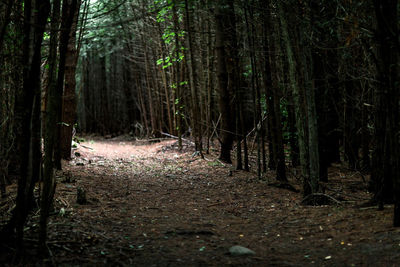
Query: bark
point(298, 100)
point(68, 11)
point(269, 58)
point(275, 110)
point(129, 99)
point(305, 109)
point(194, 82)
point(54, 111)
point(178, 98)
point(226, 52)
point(258, 123)
point(149, 90)
point(36, 13)
point(294, 146)
point(103, 97)
point(325, 76)
point(165, 79)
point(69, 97)
point(210, 83)
point(386, 165)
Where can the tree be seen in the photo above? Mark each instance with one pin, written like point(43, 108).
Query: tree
point(273, 97)
point(194, 82)
point(56, 85)
point(26, 116)
point(386, 165)
point(226, 52)
point(304, 98)
point(68, 116)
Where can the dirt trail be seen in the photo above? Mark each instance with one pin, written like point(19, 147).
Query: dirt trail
point(150, 205)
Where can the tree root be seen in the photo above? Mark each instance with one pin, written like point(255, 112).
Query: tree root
point(318, 199)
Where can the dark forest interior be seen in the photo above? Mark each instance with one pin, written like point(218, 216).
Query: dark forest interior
point(198, 132)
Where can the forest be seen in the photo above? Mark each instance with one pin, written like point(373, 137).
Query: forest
point(198, 132)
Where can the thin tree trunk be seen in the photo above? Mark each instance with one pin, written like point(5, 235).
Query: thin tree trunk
point(226, 51)
point(298, 100)
point(177, 75)
point(194, 84)
point(258, 123)
point(36, 13)
point(54, 113)
point(69, 97)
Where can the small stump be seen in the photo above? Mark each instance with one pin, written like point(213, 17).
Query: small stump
point(81, 196)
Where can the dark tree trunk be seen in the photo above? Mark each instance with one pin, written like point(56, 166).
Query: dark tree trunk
point(194, 84)
point(294, 147)
point(54, 110)
point(386, 165)
point(127, 88)
point(325, 76)
point(226, 52)
point(36, 13)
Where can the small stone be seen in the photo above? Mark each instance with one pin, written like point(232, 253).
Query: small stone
point(77, 154)
point(240, 251)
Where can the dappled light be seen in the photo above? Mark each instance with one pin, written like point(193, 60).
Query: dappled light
point(199, 133)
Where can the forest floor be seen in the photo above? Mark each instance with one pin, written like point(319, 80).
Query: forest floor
point(149, 204)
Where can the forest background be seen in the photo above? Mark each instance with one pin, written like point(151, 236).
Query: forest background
point(304, 83)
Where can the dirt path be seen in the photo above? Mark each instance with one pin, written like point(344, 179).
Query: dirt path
point(149, 205)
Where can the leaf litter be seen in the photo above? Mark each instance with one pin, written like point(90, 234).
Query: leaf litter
point(149, 204)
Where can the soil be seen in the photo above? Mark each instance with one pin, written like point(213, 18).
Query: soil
point(149, 204)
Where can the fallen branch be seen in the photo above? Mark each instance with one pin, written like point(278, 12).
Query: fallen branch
point(176, 137)
point(153, 140)
point(86, 147)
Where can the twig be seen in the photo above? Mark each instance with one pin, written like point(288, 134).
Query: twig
point(251, 132)
point(223, 164)
point(87, 147)
point(215, 127)
point(176, 137)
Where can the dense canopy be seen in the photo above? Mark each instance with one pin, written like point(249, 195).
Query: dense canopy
point(281, 89)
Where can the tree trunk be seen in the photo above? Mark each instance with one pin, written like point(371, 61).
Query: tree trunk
point(386, 165)
point(36, 13)
point(69, 97)
point(53, 109)
point(273, 102)
point(304, 109)
point(226, 52)
point(194, 84)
